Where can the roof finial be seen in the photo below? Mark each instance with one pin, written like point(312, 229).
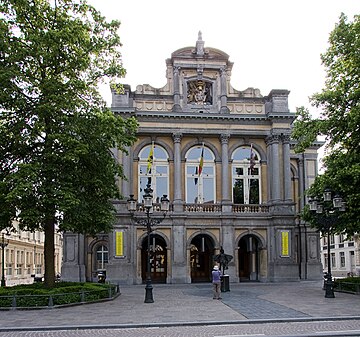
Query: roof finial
point(200, 45)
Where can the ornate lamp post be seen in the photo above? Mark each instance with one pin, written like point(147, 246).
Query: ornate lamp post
point(3, 244)
point(149, 223)
point(326, 212)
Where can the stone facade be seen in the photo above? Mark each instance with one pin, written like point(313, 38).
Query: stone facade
point(24, 256)
point(224, 158)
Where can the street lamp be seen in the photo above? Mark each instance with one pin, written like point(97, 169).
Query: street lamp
point(326, 212)
point(3, 244)
point(148, 222)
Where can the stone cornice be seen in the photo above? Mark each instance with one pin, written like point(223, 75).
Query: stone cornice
point(146, 115)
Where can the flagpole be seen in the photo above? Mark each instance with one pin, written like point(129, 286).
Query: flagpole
point(150, 164)
point(251, 167)
point(200, 185)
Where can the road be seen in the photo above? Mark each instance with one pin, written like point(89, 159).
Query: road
point(309, 328)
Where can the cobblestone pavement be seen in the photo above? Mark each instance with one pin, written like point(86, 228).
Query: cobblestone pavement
point(248, 308)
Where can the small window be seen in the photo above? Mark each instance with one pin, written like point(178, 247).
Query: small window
point(102, 257)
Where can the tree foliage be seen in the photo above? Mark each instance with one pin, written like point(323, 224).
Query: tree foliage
point(339, 121)
point(56, 134)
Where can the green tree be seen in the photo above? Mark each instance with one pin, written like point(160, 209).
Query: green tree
point(56, 134)
point(339, 122)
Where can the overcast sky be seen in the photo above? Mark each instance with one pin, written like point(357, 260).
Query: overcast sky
point(273, 44)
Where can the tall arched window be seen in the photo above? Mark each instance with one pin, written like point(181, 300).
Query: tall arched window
point(200, 175)
point(246, 176)
point(153, 170)
point(102, 257)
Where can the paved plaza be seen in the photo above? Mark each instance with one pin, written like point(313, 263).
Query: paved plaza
point(192, 304)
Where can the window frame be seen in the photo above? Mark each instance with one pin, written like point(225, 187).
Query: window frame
point(246, 176)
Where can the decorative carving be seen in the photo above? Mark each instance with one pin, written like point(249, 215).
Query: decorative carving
point(176, 70)
point(285, 138)
point(177, 137)
point(272, 139)
point(224, 138)
point(199, 92)
point(200, 70)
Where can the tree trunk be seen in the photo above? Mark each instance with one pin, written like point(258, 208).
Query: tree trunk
point(49, 251)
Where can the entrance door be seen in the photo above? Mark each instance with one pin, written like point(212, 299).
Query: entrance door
point(158, 259)
point(249, 258)
point(201, 255)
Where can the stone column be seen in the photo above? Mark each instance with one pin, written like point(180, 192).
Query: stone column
point(126, 162)
point(177, 172)
point(178, 264)
point(224, 138)
point(301, 186)
point(227, 241)
point(287, 169)
point(176, 107)
point(273, 142)
point(223, 96)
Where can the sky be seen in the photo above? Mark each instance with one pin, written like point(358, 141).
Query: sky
point(274, 44)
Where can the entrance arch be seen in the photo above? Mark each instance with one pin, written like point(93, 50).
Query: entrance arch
point(201, 258)
point(249, 258)
point(158, 259)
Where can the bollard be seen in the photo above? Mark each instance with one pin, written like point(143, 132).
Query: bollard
point(51, 302)
point(13, 303)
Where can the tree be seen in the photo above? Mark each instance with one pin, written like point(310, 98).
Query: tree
point(339, 122)
point(56, 134)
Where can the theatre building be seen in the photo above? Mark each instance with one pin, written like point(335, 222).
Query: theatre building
point(225, 160)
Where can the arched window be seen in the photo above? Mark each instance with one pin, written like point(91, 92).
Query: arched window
point(246, 176)
point(153, 170)
point(200, 175)
point(102, 257)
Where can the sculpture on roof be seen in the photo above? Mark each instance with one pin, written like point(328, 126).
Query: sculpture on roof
point(200, 45)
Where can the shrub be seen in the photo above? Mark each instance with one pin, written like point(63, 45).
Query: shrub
point(36, 295)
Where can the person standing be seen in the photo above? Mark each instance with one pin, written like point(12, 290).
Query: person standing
point(216, 280)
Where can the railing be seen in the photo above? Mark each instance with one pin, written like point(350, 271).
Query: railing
point(213, 208)
point(204, 208)
point(250, 209)
point(156, 208)
point(53, 300)
point(210, 208)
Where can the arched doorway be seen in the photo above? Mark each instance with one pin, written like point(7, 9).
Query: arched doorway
point(249, 259)
point(158, 259)
point(201, 258)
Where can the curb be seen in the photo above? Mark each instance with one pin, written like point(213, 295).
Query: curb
point(175, 324)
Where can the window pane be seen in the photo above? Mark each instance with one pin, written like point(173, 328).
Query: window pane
point(208, 188)
point(161, 188)
point(254, 171)
point(192, 191)
point(161, 169)
point(143, 169)
point(191, 169)
point(208, 170)
point(238, 171)
point(238, 191)
point(254, 191)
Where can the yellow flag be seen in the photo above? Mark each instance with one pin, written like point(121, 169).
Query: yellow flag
point(150, 159)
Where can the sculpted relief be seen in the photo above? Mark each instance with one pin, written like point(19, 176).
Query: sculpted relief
point(199, 92)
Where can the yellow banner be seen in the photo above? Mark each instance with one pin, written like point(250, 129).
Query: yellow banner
point(285, 243)
point(119, 243)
